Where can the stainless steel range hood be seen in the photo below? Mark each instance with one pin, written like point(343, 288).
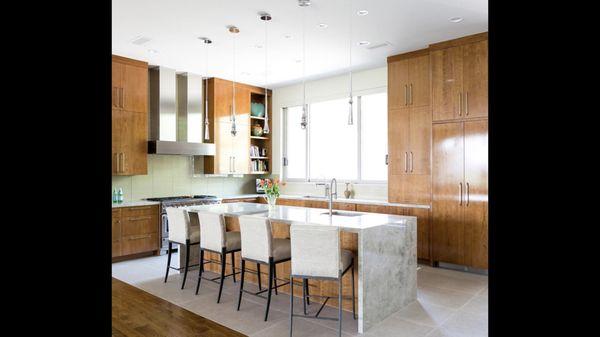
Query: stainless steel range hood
point(176, 114)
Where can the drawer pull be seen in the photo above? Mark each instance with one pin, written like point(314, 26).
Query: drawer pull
point(140, 218)
point(139, 237)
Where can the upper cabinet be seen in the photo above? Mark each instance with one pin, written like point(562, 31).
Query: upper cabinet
point(408, 80)
point(129, 116)
point(459, 85)
point(232, 151)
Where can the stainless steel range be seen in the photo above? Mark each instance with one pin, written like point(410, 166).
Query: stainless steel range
point(178, 202)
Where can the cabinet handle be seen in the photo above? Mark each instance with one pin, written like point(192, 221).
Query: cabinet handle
point(468, 194)
point(122, 98)
point(460, 103)
point(117, 162)
point(114, 89)
point(386, 159)
point(123, 162)
point(405, 162)
point(460, 193)
point(405, 94)
point(121, 165)
point(467, 103)
point(412, 161)
point(138, 237)
point(410, 94)
point(140, 218)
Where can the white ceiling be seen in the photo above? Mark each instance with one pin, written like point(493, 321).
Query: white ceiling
point(174, 26)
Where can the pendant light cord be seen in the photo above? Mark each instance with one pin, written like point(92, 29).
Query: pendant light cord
point(304, 122)
point(350, 102)
point(266, 127)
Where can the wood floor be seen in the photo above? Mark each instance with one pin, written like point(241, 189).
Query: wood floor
point(138, 313)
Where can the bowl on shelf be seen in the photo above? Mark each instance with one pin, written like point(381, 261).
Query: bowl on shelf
point(257, 130)
point(257, 109)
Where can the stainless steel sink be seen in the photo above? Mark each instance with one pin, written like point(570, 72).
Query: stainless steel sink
point(343, 213)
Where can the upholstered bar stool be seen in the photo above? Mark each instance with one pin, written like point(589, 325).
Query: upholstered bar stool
point(182, 232)
point(259, 246)
point(214, 238)
point(316, 254)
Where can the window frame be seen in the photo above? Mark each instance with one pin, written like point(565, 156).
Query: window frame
point(307, 178)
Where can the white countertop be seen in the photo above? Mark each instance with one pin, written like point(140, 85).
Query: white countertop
point(307, 216)
point(135, 203)
point(353, 201)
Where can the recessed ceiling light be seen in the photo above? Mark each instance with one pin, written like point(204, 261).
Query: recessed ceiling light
point(323, 25)
point(456, 19)
point(152, 51)
point(363, 43)
point(362, 12)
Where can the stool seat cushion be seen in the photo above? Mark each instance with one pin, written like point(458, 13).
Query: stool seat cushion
point(346, 258)
point(281, 249)
point(233, 241)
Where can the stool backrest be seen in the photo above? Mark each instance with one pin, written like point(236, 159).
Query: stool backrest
point(315, 250)
point(212, 231)
point(257, 238)
point(179, 224)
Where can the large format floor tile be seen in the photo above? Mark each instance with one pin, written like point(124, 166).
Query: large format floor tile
point(449, 304)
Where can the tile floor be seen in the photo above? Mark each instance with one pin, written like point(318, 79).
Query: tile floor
point(449, 304)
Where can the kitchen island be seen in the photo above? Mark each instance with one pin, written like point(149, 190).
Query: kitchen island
point(385, 248)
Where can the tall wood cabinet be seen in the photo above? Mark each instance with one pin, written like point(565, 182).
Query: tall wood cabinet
point(232, 152)
point(460, 78)
point(460, 193)
point(129, 116)
point(409, 128)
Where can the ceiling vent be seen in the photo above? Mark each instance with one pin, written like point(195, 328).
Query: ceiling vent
point(379, 45)
point(140, 40)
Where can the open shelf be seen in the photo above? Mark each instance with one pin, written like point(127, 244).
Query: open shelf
point(260, 172)
point(258, 137)
point(253, 117)
point(259, 157)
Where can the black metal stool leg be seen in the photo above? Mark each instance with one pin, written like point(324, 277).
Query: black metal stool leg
point(241, 284)
point(307, 293)
point(304, 295)
point(201, 270)
point(258, 275)
point(223, 256)
point(275, 277)
point(353, 296)
point(271, 266)
point(168, 261)
point(233, 266)
point(187, 262)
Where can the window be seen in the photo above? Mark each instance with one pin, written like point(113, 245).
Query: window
point(334, 148)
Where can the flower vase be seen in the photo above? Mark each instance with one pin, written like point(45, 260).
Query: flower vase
point(271, 200)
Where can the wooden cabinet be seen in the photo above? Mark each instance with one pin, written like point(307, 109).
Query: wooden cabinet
point(409, 128)
point(408, 81)
point(460, 206)
point(135, 230)
point(129, 116)
point(460, 79)
point(232, 152)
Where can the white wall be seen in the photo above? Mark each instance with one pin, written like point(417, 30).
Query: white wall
point(363, 82)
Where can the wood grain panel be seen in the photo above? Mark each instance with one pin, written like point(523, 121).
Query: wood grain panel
point(423, 230)
point(135, 88)
point(420, 140)
point(420, 79)
point(134, 244)
point(446, 83)
point(476, 205)
point(448, 228)
point(398, 138)
point(398, 82)
point(475, 81)
point(409, 188)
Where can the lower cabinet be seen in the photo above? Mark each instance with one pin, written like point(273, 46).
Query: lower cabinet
point(135, 230)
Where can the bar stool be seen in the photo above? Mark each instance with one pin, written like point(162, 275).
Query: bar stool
point(214, 238)
point(258, 246)
point(316, 254)
point(183, 232)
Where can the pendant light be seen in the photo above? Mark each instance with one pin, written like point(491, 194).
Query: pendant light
point(350, 116)
point(234, 30)
point(206, 41)
point(304, 119)
point(266, 17)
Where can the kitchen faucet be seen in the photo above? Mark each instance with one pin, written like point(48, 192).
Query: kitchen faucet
point(332, 184)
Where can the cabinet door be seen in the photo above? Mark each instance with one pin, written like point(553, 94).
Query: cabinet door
point(242, 105)
point(409, 188)
point(446, 83)
point(398, 84)
point(476, 194)
point(223, 144)
point(223, 101)
point(398, 141)
point(422, 215)
point(419, 86)
point(420, 140)
point(117, 125)
point(135, 89)
point(241, 149)
point(138, 150)
point(448, 230)
point(118, 70)
point(116, 232)
point(475, 58)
